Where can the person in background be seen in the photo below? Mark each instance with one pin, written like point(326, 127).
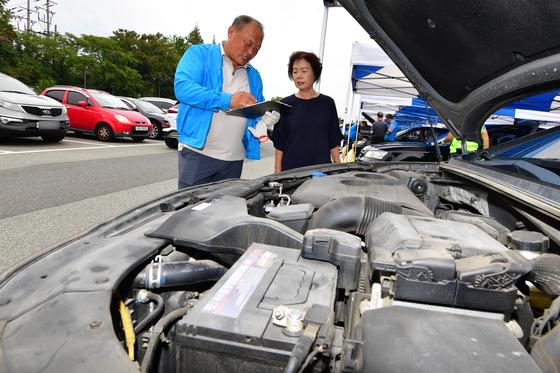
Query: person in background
point(379, 129)
point(308, 133)
point(392, 128)
point(353, 132)
point(211, 79)
point(365, 131)
point(472, 146)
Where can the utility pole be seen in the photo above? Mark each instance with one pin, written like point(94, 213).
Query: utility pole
point(24, 13)
point(28, 15)
point(48, 17)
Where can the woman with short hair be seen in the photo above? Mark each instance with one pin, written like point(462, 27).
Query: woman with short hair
point(308, 133)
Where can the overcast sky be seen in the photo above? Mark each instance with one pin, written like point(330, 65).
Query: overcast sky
point(290, 25)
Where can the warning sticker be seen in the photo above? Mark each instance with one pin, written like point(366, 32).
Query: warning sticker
point(201, 206)
point(232, 296)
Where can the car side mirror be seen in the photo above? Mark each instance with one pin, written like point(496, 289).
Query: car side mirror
point(82, 104)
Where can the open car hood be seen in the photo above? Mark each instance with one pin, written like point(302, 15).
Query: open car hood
point(467, 58)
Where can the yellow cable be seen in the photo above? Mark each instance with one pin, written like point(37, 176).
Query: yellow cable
point(129, 336)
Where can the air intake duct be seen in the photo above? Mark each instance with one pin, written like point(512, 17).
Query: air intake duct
point(351, 214)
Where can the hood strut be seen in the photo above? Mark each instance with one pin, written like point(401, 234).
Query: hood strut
point(438, 151)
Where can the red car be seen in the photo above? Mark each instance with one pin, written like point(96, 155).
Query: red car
point(97, 112)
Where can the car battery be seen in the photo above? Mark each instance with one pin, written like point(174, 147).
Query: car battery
point(231, 328)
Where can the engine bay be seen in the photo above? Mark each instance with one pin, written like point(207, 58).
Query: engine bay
point(352, 271)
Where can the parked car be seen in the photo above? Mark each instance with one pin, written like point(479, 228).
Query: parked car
point(23, 113)
point(414, 144)
point(170, 135)
point(384, 267)
point(96, 112)
point(150, 111)
point(161, 102)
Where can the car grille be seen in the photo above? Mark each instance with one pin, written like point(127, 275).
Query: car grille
point(42, 112)
point(141, 122)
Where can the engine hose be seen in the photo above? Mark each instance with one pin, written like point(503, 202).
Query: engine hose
point(160, 326)
point(162, 275)
point(545, 274)
point(152, 315)
point(351, 214)
point(301, 348)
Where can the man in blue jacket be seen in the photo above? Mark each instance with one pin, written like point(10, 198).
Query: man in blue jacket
point(392, 128)
point(211, 79)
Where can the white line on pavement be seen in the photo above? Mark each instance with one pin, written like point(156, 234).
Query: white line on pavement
point(81, 148)
point(87, 143)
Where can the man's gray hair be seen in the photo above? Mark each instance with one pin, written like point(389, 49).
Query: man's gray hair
point(242, 20)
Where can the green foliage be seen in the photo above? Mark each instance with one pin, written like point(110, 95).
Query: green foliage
point(7, 37)
point(194, 36)
point(126, 63)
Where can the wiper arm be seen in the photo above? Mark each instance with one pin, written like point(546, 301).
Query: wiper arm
point(485, 155)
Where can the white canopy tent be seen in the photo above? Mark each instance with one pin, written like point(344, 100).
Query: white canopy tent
point(377, 81)
point(373, 73)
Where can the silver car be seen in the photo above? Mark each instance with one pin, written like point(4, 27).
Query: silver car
point(23, 113)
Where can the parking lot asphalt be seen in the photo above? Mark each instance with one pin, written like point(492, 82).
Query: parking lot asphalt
point(54, 191)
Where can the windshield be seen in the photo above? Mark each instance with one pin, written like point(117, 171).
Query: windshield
point(9, 84)
point(107, 101)
point(147, 107)
point(535, 157)
point(542, 147)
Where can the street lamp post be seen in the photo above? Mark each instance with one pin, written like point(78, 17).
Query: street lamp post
point(85, 75)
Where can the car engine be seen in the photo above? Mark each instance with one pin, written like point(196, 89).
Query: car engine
point(353, 271)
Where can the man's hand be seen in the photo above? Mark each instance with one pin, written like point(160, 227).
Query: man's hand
point(259, 131)
point(270, 118)
point(241, 99)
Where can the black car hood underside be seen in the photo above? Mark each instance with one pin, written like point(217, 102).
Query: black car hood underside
point(468, 58)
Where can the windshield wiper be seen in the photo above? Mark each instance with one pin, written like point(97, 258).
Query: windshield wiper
point(485, 155)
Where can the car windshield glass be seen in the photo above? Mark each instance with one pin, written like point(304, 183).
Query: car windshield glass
point(8, 84)
point(147, 107)
point(110, 102)
point(535, 157)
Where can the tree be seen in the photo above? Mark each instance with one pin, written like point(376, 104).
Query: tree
point(126, 63)
point(109, 65)
point(194, 37)
point(7, 37)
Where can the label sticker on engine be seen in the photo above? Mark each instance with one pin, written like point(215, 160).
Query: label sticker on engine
point(202, 206)
point(232, 296)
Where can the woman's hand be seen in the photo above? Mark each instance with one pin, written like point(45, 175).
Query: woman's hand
point(335, 154)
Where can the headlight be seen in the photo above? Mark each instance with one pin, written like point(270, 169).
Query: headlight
point(10, 105)
point(122, 118)
point(6, 120)
point(376, 154)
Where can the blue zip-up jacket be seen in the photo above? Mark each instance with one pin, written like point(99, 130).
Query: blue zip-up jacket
point(198, 87)
point(393, 135)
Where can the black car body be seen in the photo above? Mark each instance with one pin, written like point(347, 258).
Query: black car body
point(150, 111)
point(382, 267)
point(413, 144)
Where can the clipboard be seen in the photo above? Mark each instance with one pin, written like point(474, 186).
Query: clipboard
point(258, 109)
